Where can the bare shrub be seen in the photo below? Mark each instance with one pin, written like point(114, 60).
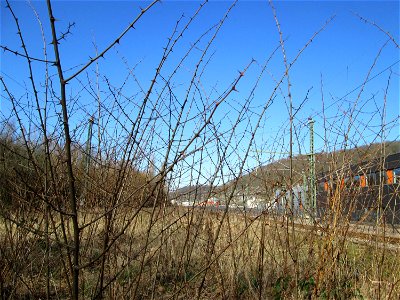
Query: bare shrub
point(163, 186)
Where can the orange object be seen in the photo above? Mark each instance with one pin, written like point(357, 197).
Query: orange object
point(389, 174)
point(363, 181)
point(342, 184)
point(326, 186)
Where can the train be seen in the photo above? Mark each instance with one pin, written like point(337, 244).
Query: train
point(368, 191)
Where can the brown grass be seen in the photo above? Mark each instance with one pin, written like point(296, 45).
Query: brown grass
point(252, 257)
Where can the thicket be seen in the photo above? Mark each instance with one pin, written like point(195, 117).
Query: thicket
point(23, 174)
point(90, 218)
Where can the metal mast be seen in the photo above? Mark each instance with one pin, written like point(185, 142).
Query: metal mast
point(87, 158)
point(89, 145)
point(313, 187)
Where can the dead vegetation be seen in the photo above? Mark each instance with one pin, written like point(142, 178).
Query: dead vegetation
point(88, 167)
point(168, 253)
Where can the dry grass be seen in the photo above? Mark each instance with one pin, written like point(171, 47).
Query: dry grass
point(88, 167)
point(179, 254)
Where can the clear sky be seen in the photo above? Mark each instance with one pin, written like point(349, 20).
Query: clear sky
point(333, 67)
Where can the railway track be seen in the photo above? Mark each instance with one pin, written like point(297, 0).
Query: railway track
point(357, 233)
point(382, 237)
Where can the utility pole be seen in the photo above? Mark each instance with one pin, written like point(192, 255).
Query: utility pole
point(88, 155)
point(305, 191)
point(313, 187)
point(89, 145)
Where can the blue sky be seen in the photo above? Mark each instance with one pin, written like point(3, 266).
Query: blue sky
point(341, 56)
